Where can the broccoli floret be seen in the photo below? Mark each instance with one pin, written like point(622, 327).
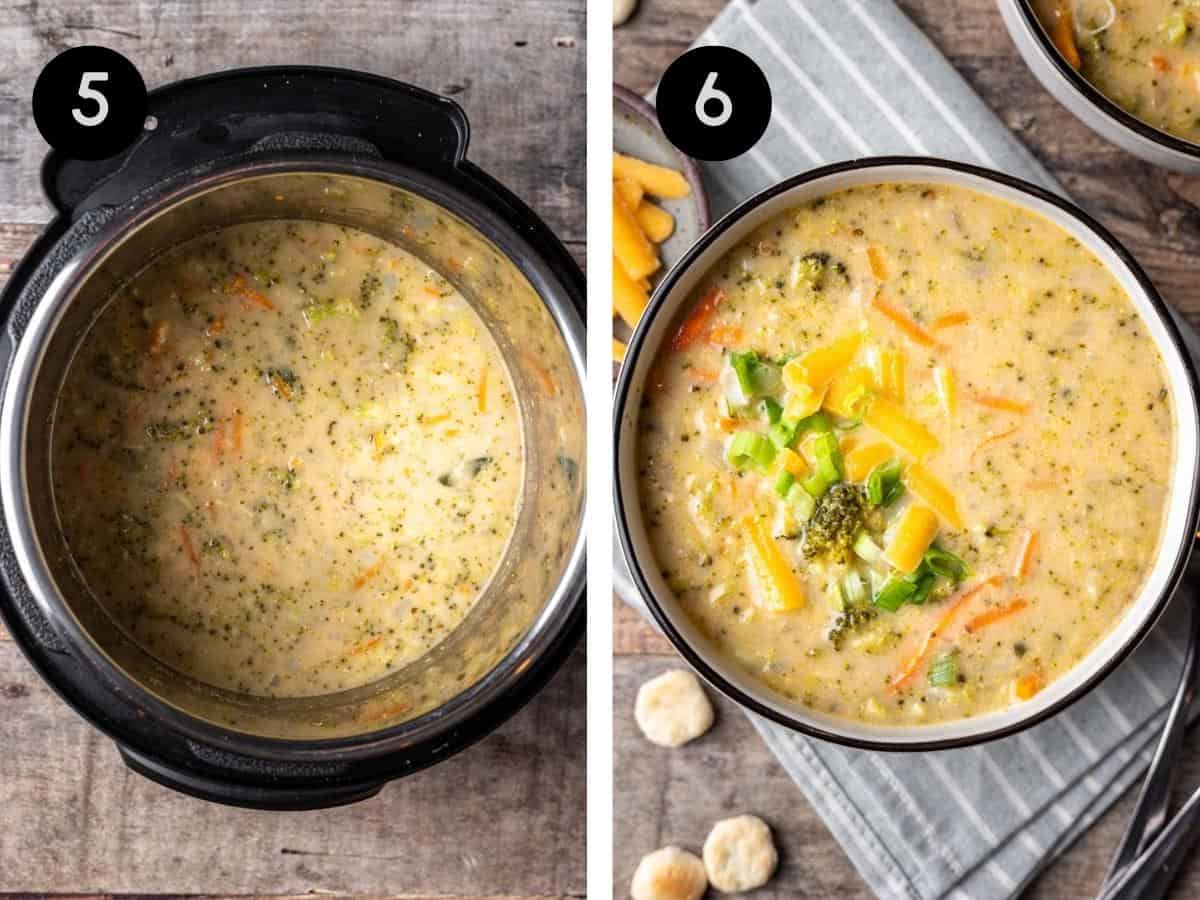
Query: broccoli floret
point(813, 270)
point(848, 622)
point(835, 521)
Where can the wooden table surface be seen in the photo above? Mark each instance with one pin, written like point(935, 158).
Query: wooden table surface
point(504, 818)
point(664, 796)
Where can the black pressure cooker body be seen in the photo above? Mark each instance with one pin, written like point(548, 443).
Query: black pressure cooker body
point(197, 129)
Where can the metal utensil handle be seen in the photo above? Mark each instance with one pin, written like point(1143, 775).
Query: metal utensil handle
point(1151, 874)
point(1153, 804)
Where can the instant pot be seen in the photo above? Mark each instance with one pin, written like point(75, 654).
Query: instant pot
point(325, 145)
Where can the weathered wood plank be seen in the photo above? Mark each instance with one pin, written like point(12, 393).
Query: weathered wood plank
point(330, 896)
point(505, 817)
point(517, 68)
point(632, 634)
point(666, 796)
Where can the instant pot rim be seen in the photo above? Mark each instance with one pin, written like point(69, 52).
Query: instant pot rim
point(465, 717)
point(638, 344)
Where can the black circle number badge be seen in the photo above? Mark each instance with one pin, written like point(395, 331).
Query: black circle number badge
point(89, 102)
point(714, 103)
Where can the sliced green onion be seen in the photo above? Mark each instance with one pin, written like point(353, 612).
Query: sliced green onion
point(829, 457)
point(883, 484)
point(818, 422)
point(1174, 28)
point(773, 408)
point(803, 505)
point(815, 485)
point(854, 589)
point(755, 376)
point(866, 549)
point(922, 583)
point(750, 449)
point(943, 671)
point(848, 425)
point(784, 483)
point(782, 433)
point(948, 565)
point(894, 594)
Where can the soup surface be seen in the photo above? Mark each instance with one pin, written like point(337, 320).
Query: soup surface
point(905, 458)
point(287, 458)
point(1144, 55)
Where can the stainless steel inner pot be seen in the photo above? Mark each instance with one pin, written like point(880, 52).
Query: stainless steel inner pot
point(537, 587)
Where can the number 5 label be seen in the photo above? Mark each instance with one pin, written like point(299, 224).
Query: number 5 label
point(87, 92)
point(90, 103)
point(710, 94)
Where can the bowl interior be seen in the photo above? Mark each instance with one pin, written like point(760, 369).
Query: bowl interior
point(656, 327)
point(524, 597)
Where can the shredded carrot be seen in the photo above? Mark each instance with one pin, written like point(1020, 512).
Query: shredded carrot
point(993, 440)
point(483, 386)
point(282, 388)
point(949, 320)
point(189, 549)
point(1160, 63)
point(158, 337)
point(368, 574)
point(728, 425)
point(1025, 552)
point(1004, 404)
point(1062, 33)
point(878, 266)
point(541, 373)
point(704, 376)
point(726, 336)
point(695, 326)
point(902, 320)
point(218, 439)
point(239, 287)
point(915, 662)
point(433, 420)
point(996, 614)
point(217, 326)
point(1028, 684)
point(384, 712)
point(363, 646)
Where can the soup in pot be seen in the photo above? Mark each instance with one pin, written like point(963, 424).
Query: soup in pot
point(287, 458)
point(905, 459)
point(1144, 55)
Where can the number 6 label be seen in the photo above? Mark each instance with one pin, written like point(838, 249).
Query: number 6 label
point(87, 92)
point(710, 94)
point(90, 103)
point(713, 103)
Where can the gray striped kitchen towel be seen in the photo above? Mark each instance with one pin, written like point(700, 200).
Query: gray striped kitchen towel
point(854, 78)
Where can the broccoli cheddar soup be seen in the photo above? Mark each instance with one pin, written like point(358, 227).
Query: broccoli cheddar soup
point(905, 457)
point(287, 458)
point(1144, 55)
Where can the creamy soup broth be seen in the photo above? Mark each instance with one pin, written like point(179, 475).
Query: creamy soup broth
point(287, 458)
point(1144, 55)
point(906, 458)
